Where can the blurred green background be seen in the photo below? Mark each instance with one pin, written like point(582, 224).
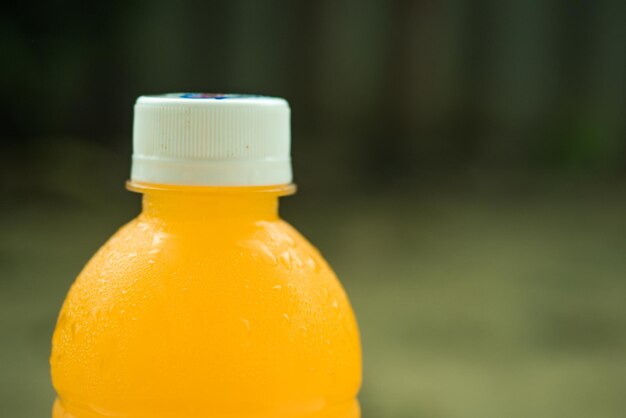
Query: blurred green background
point(461, 164)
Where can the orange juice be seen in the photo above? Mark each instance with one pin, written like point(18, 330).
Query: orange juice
point(207, 305)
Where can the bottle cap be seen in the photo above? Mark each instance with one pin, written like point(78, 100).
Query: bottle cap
point(202, 139)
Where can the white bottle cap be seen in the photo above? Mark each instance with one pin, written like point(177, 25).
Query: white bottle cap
point(200, 139)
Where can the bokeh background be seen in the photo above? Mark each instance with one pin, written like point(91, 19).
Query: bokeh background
point(461, 164)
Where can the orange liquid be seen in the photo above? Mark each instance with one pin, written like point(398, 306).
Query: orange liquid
point(207, 305)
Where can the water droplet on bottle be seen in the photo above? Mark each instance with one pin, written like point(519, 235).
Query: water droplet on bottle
point(325, 295)
point(296, 260)
point(74, 328)
point(310, 263)
point(264, 251)
point(285, 259)
point(246, 324)
point(289, 240)
point(157, 238)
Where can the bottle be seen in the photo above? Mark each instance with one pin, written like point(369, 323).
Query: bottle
point(208, 304)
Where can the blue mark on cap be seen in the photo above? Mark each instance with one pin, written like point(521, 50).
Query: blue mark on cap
point(216, 96)
point(203, 96)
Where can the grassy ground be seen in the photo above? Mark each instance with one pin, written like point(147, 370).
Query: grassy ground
point(469, 305)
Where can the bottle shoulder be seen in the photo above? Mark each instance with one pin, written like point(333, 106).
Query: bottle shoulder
point(139, 233)
point(263, 292)
point(142, 246)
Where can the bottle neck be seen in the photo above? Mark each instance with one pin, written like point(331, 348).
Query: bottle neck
point(208, 204)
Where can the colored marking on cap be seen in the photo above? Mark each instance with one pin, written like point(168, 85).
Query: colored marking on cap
point(204, 96)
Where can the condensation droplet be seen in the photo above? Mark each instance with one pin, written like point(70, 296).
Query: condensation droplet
point(285, 259)
point(157, 238)
point(310, 263)
point(289, 240)
point(297, 261)
point(264, 250)
point(246, 324)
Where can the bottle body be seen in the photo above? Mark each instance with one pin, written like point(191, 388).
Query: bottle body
point(206, 305)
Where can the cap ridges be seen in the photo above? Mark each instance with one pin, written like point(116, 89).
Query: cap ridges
point(211, 139)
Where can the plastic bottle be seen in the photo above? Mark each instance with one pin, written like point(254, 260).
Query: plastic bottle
point(207, 305)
